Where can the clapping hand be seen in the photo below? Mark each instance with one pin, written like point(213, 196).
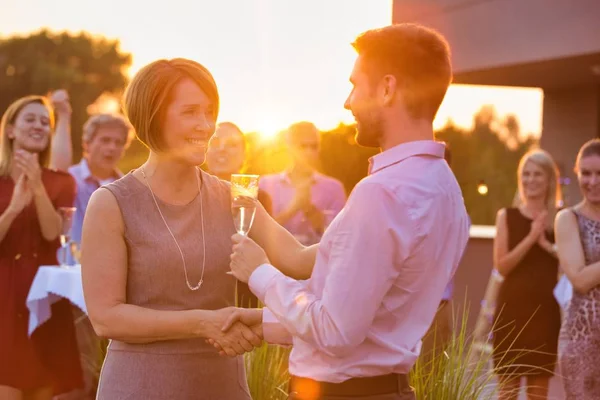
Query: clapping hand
point(30, 166)
point(302, 199)
point(251, 318)
point(21, 196)
point(538, 225)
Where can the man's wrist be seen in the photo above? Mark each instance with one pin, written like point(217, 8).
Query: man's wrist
point(260, 279)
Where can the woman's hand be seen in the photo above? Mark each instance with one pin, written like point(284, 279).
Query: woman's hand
point(237, 340)
point(538, 225)
point(21, 196)
point(30, 165)
point(60, 102)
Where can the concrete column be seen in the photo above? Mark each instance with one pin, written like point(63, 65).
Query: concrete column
point(571, 117)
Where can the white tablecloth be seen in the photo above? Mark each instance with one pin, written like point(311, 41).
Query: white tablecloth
point(50, 284)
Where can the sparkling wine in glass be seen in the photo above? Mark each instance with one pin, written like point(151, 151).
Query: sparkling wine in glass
point(243, 217)
point(244, 194)
point(66, 214)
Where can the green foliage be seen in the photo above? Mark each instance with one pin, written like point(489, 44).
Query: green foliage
point(89, 66)
point(341, 157)
point(267, 372)
point(460, 372)
point(488, 153)
point(86, 66)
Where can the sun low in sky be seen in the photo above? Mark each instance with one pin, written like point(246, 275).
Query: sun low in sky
point(275, 62)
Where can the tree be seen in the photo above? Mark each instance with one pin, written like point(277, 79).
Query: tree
point(340, 158)
point(86, 66)
point(489, 154)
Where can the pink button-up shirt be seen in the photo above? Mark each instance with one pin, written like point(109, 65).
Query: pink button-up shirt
point(380, 271)
point(327, 195)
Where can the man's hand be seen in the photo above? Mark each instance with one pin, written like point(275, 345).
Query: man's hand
point(302, 199)
point(247, 316)
point(238, 340)
point(246, 257)
point(251, 318)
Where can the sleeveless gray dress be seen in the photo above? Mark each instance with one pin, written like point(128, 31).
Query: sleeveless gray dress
point(174, 369)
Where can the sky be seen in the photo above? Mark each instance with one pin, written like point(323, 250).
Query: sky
point(275, 61)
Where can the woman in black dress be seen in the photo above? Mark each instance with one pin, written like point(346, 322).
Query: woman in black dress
point(527, 317)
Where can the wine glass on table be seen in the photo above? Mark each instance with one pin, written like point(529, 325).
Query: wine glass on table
point(244, 194)
point(66, 214)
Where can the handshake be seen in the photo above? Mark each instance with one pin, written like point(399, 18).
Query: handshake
point(235, 331)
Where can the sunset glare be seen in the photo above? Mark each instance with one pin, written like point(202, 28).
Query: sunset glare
point(275, 62)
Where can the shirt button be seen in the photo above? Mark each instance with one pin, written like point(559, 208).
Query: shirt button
point(17, 256)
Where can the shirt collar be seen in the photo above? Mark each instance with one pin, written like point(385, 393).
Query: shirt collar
point(403, 151)
point(285, 177)
point(86, 173)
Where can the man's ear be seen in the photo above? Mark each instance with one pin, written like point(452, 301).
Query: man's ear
point(390, 88)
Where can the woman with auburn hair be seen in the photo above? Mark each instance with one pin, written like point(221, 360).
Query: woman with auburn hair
point(527, 316)
point(155, 251)
point(577, 239)
point(47, 362)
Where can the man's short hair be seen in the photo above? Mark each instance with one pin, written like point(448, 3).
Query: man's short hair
point(95, 122)
point(300, 130)
point(417, 56)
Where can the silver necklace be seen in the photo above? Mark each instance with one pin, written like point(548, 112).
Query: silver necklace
point(201, 281)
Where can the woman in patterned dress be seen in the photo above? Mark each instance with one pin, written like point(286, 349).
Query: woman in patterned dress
point(578, 241)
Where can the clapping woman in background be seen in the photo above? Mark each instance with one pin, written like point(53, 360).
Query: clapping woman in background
point(47, 362)
point(527, 316)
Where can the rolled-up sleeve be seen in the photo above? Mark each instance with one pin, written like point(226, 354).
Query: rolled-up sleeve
point(359, 274)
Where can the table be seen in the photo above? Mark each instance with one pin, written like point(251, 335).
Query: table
point(51, 284)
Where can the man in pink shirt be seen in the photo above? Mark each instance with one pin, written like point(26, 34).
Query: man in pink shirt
point(382, 266)
point(304, 201)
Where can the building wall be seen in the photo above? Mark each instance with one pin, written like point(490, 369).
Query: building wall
point(551, 44)
point(471, 279)
point(571, 117)
point(492, 33)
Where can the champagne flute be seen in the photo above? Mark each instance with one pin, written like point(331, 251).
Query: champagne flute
point(66, 214)
point(244, 194)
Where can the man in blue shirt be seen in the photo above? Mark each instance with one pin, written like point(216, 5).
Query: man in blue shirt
point(105, 139)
